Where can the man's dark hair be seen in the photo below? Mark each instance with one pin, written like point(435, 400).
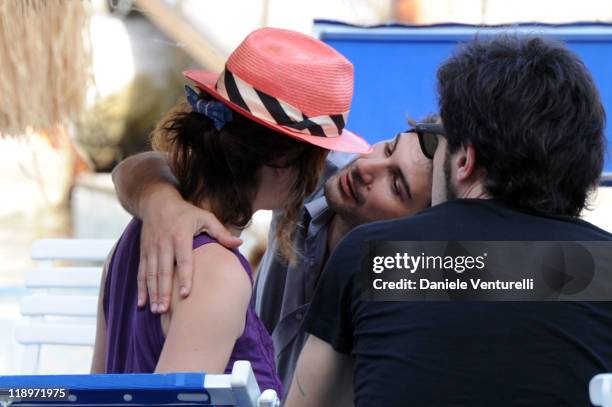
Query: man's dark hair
point(531, 111)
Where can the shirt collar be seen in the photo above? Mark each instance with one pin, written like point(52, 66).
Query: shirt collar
point(318, 209)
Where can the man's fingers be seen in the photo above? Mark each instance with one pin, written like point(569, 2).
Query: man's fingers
point(164, 276)
point(184, 265)
point(142, 282)
point(216, 230)
point(159, 249)
point(151, 276)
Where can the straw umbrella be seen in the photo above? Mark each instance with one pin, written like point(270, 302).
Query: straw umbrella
point(46, 62)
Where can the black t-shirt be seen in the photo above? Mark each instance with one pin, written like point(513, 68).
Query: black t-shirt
point(463, 353)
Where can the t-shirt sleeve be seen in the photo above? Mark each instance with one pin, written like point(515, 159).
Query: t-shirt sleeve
point(330, 316)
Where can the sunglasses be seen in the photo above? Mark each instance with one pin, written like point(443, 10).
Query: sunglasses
point(428, 137)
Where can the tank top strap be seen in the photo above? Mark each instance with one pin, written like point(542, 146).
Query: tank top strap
point(205, 238)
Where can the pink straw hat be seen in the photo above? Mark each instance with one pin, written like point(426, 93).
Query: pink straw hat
point(291, 83)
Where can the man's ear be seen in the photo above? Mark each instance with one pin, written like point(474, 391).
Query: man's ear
point(466, 162)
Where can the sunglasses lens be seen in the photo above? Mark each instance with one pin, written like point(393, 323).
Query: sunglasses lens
point(429, 144)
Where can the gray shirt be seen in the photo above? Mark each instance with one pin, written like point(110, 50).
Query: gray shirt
point(283, 292)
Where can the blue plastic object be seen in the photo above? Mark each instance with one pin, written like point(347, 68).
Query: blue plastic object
point(395, 67)
point(184, 389)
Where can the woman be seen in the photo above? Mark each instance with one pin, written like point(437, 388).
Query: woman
point(253, 138)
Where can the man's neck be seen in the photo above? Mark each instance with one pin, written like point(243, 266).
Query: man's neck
point(337, 229)
point(473, 190)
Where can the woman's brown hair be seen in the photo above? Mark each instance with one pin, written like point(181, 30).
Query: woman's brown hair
point(223, 165)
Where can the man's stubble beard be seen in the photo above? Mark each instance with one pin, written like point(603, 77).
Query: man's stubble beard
point(451, 192)
point(346, 214)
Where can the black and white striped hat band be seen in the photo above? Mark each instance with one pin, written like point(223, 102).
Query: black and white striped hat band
point(273, 110)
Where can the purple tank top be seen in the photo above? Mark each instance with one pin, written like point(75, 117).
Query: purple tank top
point(134, 337)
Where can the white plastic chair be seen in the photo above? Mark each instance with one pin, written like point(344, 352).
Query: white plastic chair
point(600, 390)
point(61, 308)
point(61, 304)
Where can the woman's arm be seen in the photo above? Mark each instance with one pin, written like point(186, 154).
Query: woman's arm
point(204, 326)
point(147, 189)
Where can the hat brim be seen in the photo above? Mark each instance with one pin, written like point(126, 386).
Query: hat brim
point(347, 141)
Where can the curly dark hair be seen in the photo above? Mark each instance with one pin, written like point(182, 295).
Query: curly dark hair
point(222, 165)
point(531, 111)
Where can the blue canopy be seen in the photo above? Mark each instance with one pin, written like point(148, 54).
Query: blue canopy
point(395, 67)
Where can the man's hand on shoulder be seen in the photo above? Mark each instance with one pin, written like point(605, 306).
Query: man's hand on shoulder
point(166, 244)
point(147, 189)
